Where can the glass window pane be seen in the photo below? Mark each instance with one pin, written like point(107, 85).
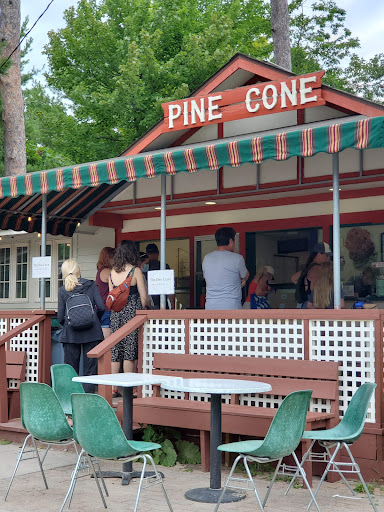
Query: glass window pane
point(21, 272)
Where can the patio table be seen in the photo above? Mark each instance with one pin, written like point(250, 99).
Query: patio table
point(216, 388)
point(127, 381)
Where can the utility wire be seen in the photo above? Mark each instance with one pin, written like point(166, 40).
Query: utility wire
point(29, 31)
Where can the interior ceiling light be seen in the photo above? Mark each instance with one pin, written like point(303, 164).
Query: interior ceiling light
point(210, 202)
point(29, 219)
point(39, 235)
point(158, 208)
point(331, 189)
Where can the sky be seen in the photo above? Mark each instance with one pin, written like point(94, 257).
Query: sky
point(364, 18)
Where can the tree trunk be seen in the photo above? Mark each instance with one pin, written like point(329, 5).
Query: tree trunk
point(280, 33)
point(10, 87)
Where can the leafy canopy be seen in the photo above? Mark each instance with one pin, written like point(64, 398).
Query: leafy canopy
point(116, 61)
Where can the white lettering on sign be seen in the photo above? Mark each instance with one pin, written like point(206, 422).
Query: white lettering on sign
point(306, 90)
point(196, 110)
point(174, 113)
point(267, 105)
point(212, 106)
point(244, 102)
point(248, 98)
point(290, 93)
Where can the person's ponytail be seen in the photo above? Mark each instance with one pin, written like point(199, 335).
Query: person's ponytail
point(70, 271)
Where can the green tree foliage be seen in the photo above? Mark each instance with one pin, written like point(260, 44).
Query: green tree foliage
point(118, 61)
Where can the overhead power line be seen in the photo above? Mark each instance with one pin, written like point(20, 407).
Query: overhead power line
point(26, 35)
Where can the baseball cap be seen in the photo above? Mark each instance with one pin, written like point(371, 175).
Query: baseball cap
point(270, 270)
point(151, 249)
point(322, 248)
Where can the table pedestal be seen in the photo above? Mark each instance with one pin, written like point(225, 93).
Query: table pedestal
point(211, 494)
point(127, 474)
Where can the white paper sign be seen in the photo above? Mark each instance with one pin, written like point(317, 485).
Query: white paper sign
point(41, 267)
point(161, 282)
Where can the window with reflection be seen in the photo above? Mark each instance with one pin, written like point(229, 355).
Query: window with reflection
point(5, 253)
point(21, 272)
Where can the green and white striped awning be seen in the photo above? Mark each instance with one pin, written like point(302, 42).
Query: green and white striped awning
point(74, 192)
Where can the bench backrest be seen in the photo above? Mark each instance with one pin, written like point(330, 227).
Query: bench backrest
point(15, 367)
point(284, 375)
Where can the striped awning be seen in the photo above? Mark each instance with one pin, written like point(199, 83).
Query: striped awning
point(74, 192)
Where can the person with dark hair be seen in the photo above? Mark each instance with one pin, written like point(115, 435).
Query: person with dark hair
point(104, 266)
point(225, 272)
point(144, 266)
point(125, 263)
point(306, 278)
point(154, 264)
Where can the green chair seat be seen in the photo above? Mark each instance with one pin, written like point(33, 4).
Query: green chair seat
point(98, 432)
point(249, 447)
point(282, 439)
point(64, 386)
point(43, 417)
point(342, 435)
point(143, 446)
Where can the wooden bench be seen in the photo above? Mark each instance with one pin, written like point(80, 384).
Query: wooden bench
point(15, 369)
point(284, 375)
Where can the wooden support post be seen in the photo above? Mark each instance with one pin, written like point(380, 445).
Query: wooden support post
point(3, 386)
point(104, 366)
point(45, 350)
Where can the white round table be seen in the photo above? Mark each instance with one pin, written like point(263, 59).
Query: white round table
point(216, 388)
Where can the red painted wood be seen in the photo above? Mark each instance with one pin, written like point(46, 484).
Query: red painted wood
point(248, 365)
point(235, 97)
point(239, 111)
point(106, 345)
point(104, 367)
point(45, 350)
point(351, 103)
point(3, 386)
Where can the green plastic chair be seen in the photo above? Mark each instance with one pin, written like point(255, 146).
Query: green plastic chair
point(282, 439)
point(63, 386)
point(344, 435)
point(99, 434)
point(45, 421)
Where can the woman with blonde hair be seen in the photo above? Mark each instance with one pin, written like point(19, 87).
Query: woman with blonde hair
point(259, 288)
point(322, 296)
point(79, 300)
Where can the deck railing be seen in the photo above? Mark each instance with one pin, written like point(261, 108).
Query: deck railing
point(29, 331)
point(353, 338)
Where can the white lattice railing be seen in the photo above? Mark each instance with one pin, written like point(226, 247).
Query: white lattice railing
point(285, 335)
point(30, 332)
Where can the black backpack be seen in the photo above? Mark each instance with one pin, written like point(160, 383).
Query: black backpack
point(79, 312)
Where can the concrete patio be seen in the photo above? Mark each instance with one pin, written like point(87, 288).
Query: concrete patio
point(28, 491)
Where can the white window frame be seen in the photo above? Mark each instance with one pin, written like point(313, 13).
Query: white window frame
point(7, 299)
point(54, 243)
point(13, 275)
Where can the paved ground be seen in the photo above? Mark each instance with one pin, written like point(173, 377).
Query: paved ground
point(29, 494)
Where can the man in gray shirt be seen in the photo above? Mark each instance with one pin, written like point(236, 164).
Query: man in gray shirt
point(225, 273)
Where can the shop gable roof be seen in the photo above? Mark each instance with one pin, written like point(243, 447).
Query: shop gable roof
point(243, 70)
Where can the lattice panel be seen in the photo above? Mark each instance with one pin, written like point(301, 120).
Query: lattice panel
point(352, 345)
point(270, 338)
point(27, 341)
point(162, 336)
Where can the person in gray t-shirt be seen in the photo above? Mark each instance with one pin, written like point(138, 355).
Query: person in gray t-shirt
point(225, 273)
